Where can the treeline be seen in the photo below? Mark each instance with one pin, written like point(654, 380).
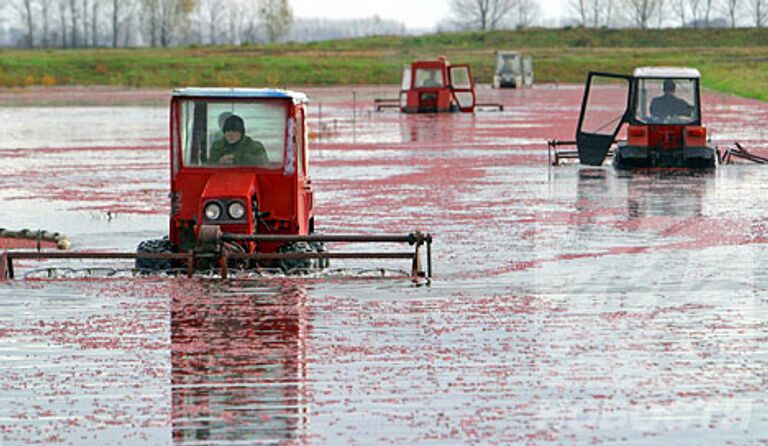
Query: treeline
point(143, 23)
point(642, 14)
point(164, 23)
point(671, 13)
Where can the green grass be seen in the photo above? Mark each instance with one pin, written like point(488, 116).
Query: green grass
point(734, 61)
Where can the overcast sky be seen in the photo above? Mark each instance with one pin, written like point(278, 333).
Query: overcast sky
point(414, 13)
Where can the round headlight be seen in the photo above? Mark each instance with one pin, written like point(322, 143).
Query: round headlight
point(212, 211)
point(236, 210)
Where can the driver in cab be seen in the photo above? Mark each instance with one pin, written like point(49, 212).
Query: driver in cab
point(236, 148)
point(668, 105)
point(432, 81)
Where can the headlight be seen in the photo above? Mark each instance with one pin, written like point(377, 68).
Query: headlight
point(212, 211)
point(236, 210)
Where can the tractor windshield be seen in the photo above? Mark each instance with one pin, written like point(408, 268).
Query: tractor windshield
point(667, 101)
point(216, 133)
point(429, 78)
point(508, 64)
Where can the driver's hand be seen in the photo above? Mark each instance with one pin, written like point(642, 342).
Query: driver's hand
point(227, 159)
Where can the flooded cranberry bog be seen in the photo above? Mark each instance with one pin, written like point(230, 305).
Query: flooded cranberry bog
point(570, 305)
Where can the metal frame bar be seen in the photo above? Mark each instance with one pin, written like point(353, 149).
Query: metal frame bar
point(739, 152)
point(494, 105)
point(386, 103)
point(416, 239)
point(554, 156)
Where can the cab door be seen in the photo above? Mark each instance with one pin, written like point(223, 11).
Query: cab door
point(604, 109)
point(405, 87)
point(462, 87)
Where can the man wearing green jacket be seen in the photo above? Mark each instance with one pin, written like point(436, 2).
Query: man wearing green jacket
point(236, 148)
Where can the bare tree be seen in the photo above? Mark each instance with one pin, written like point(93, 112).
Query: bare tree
point(661, 15)
point(85, 22)
point(63, 22)
point(643, 12)
point(150, 14)
point(483, 15)
point(276, 18)
point(73, 17)
point(115, 21)
point(602, 12)
point(732, 9)
point(760, 12)
point(237, 17)
point(45, 16)
point(595, 13)
point(130, 18)
point(581, 8)
point(707, 11)
point(525, 13)
point(610, 9)
point(210, 11)
point(26, 13)
point(95, 22)
point(680, 8)
point(696, 7)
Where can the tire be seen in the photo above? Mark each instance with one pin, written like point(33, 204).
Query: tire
point(320, 247)
point(156, 246)
point(296, 265)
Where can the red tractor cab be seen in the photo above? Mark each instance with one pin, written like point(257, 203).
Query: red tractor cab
point(434, 86)
point(437, 86)
point(662, 110)
point(219, 186)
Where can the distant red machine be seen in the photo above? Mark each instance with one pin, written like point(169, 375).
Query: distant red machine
point(435, 86)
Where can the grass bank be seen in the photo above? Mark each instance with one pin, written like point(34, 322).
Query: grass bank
point(733, 61)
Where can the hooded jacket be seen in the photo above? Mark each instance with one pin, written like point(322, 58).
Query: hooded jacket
point(246, 151)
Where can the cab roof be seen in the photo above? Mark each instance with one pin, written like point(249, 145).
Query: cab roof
point(241, 93)
point(667, 73)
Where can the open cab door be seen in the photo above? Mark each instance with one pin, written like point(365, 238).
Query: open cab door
point(527, 72)
point(463, 88)
point(405, 87)
point(603, 111)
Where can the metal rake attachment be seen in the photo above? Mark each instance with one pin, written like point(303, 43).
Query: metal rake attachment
point(384, 103)
point(556, 155)
point(729, 154)
point(222, 259)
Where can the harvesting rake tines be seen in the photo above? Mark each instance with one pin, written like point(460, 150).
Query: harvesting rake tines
point(558, 151)
point(214, 251)
point(384, 103)
point(728, 155)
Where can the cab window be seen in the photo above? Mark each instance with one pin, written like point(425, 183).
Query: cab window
point(429, 78)
point(667, 101)
point(509, 64)
point(204, 142)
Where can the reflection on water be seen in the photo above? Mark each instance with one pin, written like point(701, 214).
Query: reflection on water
point(429, 128)
point(238, 365)
point(672, 193)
